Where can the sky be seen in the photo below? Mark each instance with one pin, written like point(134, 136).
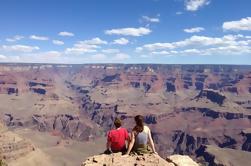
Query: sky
point(126, 31)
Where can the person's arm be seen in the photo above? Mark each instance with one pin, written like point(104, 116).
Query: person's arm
point(127, 138)
point(151, 141)
point(108, 143)
point(131, 143)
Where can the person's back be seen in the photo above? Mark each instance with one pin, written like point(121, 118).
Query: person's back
point(141, 139)
point(117, 138)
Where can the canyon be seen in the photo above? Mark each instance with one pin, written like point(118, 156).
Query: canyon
point(203, 111)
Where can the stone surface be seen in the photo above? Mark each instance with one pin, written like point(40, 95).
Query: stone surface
point(181, 160)
point(141, 160)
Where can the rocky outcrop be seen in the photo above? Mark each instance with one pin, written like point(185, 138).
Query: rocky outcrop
point(40, 91)
point(247, 143)
point(186, 143)
point(215, 156)
point(141, 160)
point(181, 160)
point(170, 87)
point(213, 96)
point(65, 125)
point(111, 78)
point(32, 83)
point(12, 146)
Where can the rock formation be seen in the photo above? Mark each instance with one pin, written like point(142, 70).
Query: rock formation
point(12, 146)
point(139, 160)
point(215, 156)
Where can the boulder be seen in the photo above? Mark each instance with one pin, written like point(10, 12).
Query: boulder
point(181, 160)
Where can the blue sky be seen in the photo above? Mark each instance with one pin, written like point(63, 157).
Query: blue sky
point(126, 31)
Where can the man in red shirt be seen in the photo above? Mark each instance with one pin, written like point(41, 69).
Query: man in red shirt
point(116, 138)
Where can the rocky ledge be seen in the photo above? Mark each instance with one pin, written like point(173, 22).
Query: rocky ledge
point(138, 160)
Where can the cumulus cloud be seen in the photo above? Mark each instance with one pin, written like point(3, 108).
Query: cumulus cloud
point(19, 48)
point(121, 57)
point(58, 42)
point(129, 31)
point(86, 46)
point(201, 45)
point(194, 30)
point(241, 25)
point(194, 5)
point(50, 54)
point(195, 41)
point(67, 34)
point(121, 41)
point(42, 38)
point(98, 57)
point(110, 51)
point(15, 38)
point(2, 57)
point(94, 41)
point(81, 49)
point(150, 19)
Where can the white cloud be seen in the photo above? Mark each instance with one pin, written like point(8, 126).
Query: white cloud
point(19, 48)
point(2, 57)
point(156, 46)
point(15, 38)
point(150, 19)
point(241, 25)
point(129, 31)
point(121, 41)
point(194, 5)
point(160, 52)
point(201, 45)
point(64, 33)
point(81, 49)
point(58, 42)
point(179, 13)
point(42, 38)
point(194, 30)
point(94, 41)
point(200, 41)
point(86, 46)
point(111, 51)
point(49, 54)
point(121, 57)
point(98, 57)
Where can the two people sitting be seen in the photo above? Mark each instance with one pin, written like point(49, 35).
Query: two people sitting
point(137, 141)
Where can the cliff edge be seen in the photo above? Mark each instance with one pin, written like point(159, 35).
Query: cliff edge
point(140, 160)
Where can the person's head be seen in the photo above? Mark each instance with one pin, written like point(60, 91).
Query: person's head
point(139, 120)
point(117, 122)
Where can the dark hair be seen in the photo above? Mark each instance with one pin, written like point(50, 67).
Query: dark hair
point(139, 123)
point(117, 122)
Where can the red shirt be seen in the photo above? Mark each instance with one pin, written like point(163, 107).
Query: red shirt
point(117, 138)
